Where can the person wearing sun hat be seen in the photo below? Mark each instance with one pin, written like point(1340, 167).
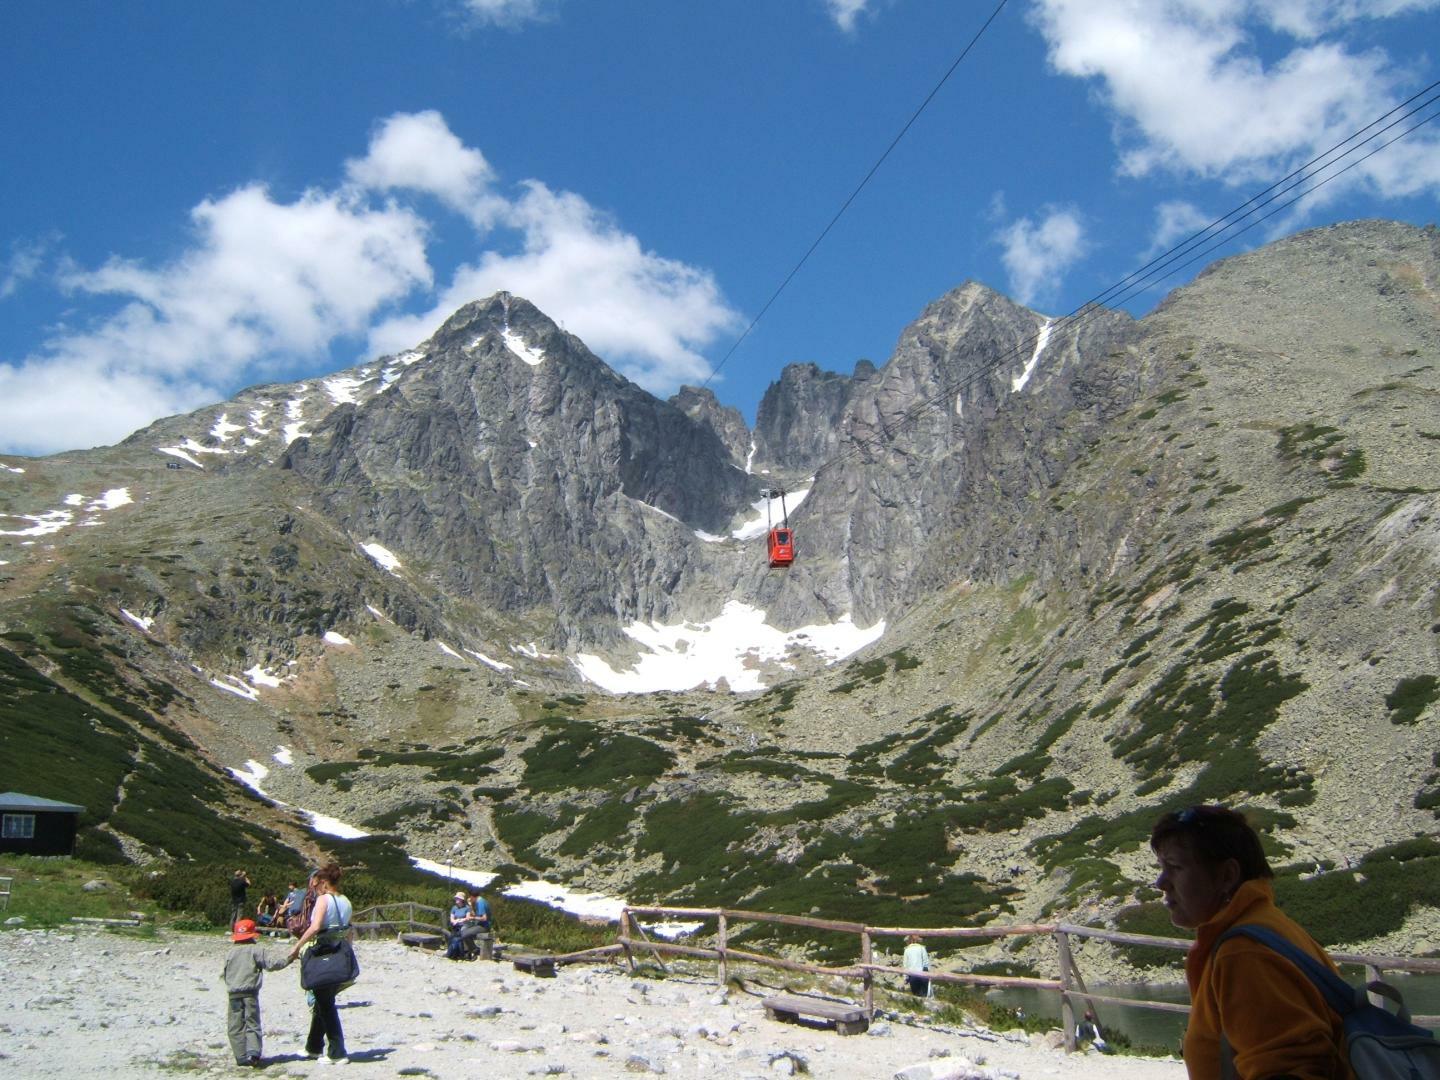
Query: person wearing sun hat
point(245, 968)
point(460, 915)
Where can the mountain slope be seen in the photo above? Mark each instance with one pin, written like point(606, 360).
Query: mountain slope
point(1119, 566)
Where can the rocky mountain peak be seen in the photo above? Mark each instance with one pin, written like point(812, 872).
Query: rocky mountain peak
point(701, 405)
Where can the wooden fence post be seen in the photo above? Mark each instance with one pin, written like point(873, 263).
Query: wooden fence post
point(627, 922)
point(1067, 1010)
point(866, 958)
point(720, 942)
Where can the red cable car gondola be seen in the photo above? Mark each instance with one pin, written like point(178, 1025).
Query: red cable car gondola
point(780, 542)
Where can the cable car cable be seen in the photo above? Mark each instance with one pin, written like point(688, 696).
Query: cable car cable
point(1166, 263)
point(853, 195)
point(1081, 314)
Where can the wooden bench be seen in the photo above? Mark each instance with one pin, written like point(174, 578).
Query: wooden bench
point(423, 941)
point(789, 1008)
point(542, 967)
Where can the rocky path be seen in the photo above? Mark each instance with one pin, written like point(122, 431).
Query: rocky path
point(81, 1003)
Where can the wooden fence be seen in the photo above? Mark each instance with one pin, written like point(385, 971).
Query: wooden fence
point(406, 918)
point(1070, 985)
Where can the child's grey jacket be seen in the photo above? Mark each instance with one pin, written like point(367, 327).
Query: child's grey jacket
point(246, 965)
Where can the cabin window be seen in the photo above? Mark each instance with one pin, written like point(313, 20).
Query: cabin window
point(18, 827)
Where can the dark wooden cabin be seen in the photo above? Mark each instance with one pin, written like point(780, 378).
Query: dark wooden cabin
point(30, 825)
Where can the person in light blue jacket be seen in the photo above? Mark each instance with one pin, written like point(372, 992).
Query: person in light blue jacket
point(917, 959)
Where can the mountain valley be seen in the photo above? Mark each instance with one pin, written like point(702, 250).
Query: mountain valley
point(1055, 576)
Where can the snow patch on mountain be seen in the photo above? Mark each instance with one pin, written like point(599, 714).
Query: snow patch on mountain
point(383, 557)
point(41, 524)
point(516, 344)
point(233, 685)
point(295, 413)
point(1041, 340)
point(766, 512)
point(341, 388)
point(222, 429)
point(682, 656)
point(175, 451)
point(498, 665)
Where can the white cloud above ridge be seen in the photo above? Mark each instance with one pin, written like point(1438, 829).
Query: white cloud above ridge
point(646, 315)
point(1176, 220)
point(419, 152)
point(260, 280)
point(1036, 254)
point(1227, 112)
point(263, 282)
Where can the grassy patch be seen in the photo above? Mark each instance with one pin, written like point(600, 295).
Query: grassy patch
point(47, 892)
point(1374, 899)
point(1411, 697)
point(576, 754)
point(600, 827)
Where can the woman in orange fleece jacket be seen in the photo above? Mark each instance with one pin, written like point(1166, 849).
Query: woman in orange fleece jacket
point(1214, 875)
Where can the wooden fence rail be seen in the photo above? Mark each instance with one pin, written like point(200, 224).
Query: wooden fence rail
point(1070, 985)
point(402, 918)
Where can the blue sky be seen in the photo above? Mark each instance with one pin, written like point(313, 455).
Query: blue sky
point(199, 197)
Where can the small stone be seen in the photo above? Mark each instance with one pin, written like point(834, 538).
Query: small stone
point(788, 1064)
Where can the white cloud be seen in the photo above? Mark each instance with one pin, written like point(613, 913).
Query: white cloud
point(80, 401)
point(262, 280)
point(419, 152)
point(1310, 18)
point(1175, 221)
point(506, 13)
point(263, 277)
point(22, 264)
point(1036, 254)
point(646, 315)
point(1193, 93)
point(846, 12)
point(265, 283)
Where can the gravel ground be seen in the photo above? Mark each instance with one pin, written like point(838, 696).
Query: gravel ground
point(81, 1003)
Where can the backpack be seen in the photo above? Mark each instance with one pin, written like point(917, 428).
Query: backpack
point(1379, 1044)
point(298, 923)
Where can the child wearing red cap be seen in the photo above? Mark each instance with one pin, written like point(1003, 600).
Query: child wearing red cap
point(245, 969)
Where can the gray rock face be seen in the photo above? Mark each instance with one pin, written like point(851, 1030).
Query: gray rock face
point(727, 423)
point(527, 472)
point(982, 402)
